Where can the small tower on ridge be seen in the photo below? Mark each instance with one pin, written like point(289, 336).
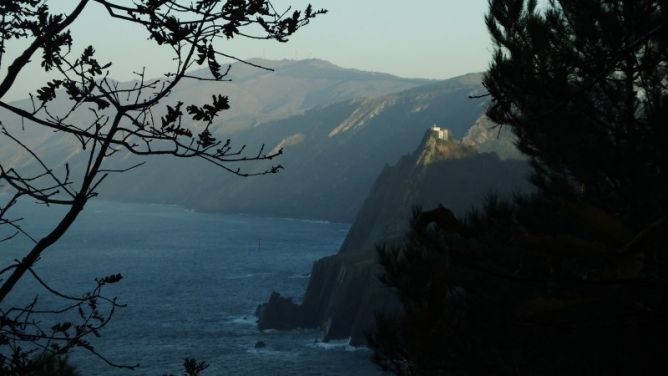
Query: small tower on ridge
point(440, 133)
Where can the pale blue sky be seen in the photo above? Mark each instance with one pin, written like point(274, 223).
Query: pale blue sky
point(419, 38)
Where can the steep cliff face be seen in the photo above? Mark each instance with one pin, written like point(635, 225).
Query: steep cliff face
point(344, 292)
point(385, 212)
point(342, 297)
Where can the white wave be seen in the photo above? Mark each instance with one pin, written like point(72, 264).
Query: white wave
point(270, 352)
point(247, 275)
point(304, 220)
point(242, 320)
point(264, 351)
point(341, 344)
point(301, 276)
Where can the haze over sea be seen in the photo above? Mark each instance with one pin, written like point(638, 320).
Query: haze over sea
point(191, 284)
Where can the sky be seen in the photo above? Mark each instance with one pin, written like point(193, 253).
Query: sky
point(419, 39)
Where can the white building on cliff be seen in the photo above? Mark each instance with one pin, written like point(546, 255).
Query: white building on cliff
point(440, 133)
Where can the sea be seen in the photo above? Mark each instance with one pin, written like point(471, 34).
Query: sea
point(191, 284)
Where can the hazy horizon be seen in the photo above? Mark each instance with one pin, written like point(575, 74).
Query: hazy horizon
point(14, 95)
point(430, 40)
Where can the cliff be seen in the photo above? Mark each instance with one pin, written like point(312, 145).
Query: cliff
point(343, 292)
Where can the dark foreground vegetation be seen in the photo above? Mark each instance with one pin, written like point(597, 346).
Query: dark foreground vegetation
point(571, 279)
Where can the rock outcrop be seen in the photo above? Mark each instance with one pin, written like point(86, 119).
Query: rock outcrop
point(487, 136)
point(279, 313)
point(344, 292)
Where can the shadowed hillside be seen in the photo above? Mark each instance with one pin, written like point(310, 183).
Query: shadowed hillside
point(344, 292)
point(331, 155)
point(331, 151)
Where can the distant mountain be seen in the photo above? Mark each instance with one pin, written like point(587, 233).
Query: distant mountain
point(332, 154)
point(259, 96)
point(256, 96)
point(344, 292)
point(338, 128)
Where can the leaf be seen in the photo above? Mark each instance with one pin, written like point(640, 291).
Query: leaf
point(51, 50)
point(214, 66)
point(173, 114)
point(201, 54)
point(209, 111)
point(72, 90)
point(206, 139)
point(48, 92)
point(193, 368)
point(196, 112)
point(110, 279)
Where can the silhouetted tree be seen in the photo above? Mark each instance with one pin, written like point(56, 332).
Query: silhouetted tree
point(123, 118)
point(583, 86)
point(191, 367)
point(56, 366)
point(521, 287)
point(570, 279)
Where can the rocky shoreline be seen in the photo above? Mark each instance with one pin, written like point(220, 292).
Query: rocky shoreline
point(344, 292)
point(342, 296)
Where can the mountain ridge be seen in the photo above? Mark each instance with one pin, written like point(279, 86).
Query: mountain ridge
point(331, 155)
point(332, 151)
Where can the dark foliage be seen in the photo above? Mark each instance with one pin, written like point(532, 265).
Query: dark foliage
point(532, 286)
point(55, 366)
point(583, 86)
point(571, 280)
point(35, 339)
point(191, 367)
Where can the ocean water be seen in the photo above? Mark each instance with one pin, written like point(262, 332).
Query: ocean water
point(191, 283)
